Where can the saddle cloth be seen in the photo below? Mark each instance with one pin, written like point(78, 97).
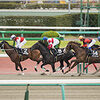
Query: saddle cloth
point(95, 54)
point(60, 51)
point(22, 51)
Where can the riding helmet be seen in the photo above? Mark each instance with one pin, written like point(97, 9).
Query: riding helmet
point(45, 38)
point(13, 36)
point(81, 37)
point(99, 38)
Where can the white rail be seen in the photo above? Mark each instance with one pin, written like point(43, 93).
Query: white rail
point(44, 27)
point(57, 81)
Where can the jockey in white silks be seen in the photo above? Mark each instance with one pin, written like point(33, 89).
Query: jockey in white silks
point(20, 41)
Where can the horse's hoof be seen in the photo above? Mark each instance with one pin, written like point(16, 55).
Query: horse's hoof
point(43, 74)
point(62, 71)
point(25, 68)
point(47, 70)
point(17, 69)
point(35, 69)
point(79, 74)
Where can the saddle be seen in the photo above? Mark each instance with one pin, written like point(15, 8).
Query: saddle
point(22, 51)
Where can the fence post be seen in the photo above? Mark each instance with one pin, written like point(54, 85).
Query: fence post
point(27, 93)
point(63, 92)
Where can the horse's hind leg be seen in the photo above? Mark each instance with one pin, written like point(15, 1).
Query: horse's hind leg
point(16, 67)
point(42, 66)
point(35, 67)
point(61, 66)
point(53, 67)
point(71, 67)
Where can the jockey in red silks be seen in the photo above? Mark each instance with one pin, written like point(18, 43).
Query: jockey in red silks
point(87, 42)
point(20, 41)
point(52, 42)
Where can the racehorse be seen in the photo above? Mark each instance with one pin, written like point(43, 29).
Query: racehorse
point(81, 55)
point(49, 58)
point(15, 57)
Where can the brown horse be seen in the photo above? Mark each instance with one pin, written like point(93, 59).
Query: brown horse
point(15, 57)
point(81, 55)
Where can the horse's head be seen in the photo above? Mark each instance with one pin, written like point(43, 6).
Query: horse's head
point(71, 45)
point(2, 44)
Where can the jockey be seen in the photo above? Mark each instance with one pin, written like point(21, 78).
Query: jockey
point(52, 42)
point(88, 43)
point(20, 41)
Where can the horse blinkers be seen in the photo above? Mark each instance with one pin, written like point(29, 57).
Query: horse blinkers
point(2, 45)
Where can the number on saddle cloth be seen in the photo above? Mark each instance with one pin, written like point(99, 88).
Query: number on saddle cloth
point(58, 51)
point(22, 51)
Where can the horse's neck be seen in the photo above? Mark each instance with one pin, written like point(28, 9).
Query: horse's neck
point(43, 50)
point(76, 48)
point(7, 48)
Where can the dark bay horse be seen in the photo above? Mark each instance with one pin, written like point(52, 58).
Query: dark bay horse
point(81, 55)
point(12, 52)
point(48, 58)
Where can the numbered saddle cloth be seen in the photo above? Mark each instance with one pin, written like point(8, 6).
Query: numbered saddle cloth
point(60, 51)
point(22, 51)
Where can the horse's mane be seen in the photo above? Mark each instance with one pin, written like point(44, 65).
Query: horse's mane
point(8, 44)
point(41, 42)
point(75, 43)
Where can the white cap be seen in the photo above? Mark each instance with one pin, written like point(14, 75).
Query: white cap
point(12, 36)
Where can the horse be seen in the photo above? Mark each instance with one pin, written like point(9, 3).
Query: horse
point(48, 58)
point(81, 55)
point(15, 57)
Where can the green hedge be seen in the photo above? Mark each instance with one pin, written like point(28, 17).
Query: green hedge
point(37, 6)
point(63, 20)
point(50, 34)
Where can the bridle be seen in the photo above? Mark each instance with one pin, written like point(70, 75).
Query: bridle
point(2, 46)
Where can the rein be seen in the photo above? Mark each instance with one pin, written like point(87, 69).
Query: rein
point(6, 49)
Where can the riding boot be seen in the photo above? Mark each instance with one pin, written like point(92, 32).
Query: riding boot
point(90, 52)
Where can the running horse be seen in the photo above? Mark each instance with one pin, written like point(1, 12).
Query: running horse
point(15, 57)
point(81, 56)
point(48, 58)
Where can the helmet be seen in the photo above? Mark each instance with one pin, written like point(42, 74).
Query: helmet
point(45, 38)
point(12, 36)
point(99, 38)
point(81, 37)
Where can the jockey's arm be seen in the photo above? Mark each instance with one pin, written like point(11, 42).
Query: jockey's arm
point(92, 43)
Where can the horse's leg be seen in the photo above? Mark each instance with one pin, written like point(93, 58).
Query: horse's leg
point(95, 66)
point(61, 66)
point(68, 64)
point(71, 67)
point(53, 67)
point(35, 67)
point(16, 67)
point(96, 71)
point(42, 66)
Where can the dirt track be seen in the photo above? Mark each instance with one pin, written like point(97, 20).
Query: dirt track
point(7, 72)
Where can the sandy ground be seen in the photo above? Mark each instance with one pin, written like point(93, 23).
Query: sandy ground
point(8, 72)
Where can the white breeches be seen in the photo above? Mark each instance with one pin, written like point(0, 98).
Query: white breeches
point(56, 42)
point(21, 44)
point(92, 43)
